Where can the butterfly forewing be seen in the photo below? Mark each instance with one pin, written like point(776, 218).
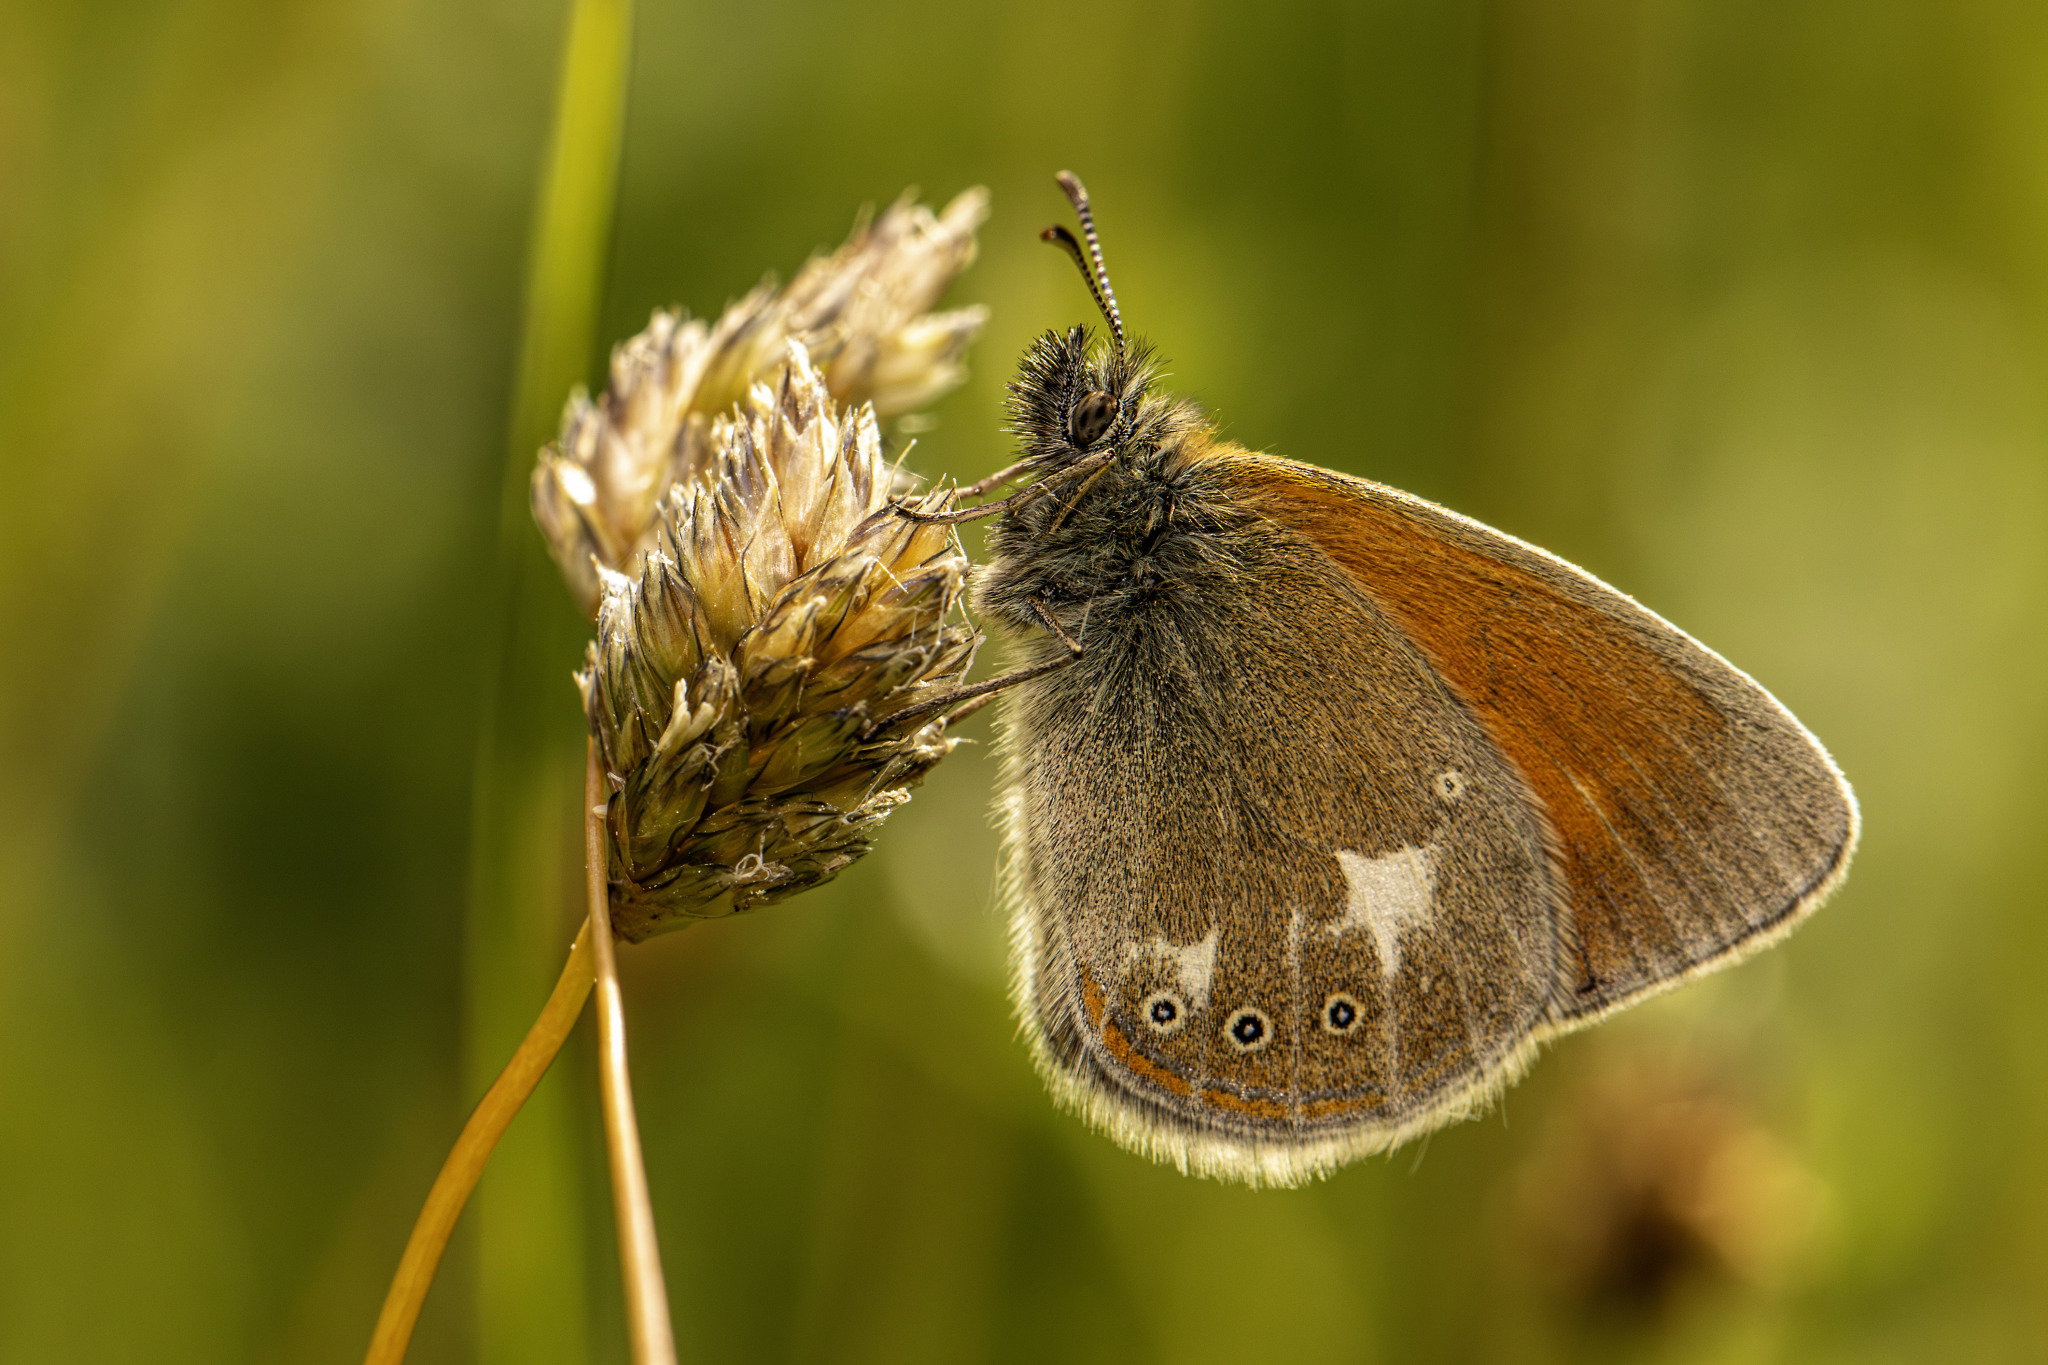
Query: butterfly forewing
point(1690, 814)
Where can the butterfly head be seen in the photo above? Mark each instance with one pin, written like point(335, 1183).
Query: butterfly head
point(1074, 398)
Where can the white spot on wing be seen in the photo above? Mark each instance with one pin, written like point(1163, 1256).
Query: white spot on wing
point(1194, 964)
point(1388, 893)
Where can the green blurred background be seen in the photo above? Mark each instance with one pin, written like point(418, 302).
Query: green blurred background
point(1742, 305)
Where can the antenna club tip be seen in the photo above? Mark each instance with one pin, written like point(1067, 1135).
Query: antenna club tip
point(1071, 183)
point(1051, 234)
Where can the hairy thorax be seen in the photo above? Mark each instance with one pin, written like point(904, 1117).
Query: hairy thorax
point(1143, 536)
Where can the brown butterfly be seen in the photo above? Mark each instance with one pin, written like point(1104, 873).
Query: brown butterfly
point(1326, 806)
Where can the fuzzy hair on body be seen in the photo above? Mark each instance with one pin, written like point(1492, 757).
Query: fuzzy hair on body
point(1345, 803)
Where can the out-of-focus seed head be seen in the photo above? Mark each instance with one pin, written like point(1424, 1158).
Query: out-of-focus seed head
point(743, 674)
point(1654, 1183)
point(863, 315)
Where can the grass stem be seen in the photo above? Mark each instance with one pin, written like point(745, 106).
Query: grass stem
point(465, 1163)
point(647, 1320)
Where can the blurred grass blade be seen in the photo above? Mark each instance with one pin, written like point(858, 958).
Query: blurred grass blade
point(532, 1269)
point(571, 240)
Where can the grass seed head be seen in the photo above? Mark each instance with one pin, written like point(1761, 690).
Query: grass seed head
point(864, 317)
point(741, 668)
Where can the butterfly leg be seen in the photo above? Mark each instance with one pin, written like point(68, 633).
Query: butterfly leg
point(995, 480)
point(1092, 465)
point(981, 694)
point(958, 515)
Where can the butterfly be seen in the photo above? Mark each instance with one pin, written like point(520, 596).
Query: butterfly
point(1325, 806)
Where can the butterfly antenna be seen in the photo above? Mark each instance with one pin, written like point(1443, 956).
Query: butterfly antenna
point(1098, 276)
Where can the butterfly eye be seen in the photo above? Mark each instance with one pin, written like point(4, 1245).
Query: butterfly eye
point(1340, 1014)
point(1164, 1011)
point(1248, 1030)
point(1090, 418)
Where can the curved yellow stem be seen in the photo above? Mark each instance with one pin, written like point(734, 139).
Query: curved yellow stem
point(465, 1163)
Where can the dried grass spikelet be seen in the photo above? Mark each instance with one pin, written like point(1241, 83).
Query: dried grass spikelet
point(737, 679)
point(863, 315)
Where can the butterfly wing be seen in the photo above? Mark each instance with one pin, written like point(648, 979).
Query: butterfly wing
point(1303, 861)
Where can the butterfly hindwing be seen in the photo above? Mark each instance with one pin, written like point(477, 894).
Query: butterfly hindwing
point(1279, 897)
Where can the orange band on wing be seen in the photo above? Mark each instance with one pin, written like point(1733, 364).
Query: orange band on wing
point(1091, 997)
point(1140, 1065)
point(1583, 708)
point(1120, 1047)
point(1323, 1109)
point(1238, 1104)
